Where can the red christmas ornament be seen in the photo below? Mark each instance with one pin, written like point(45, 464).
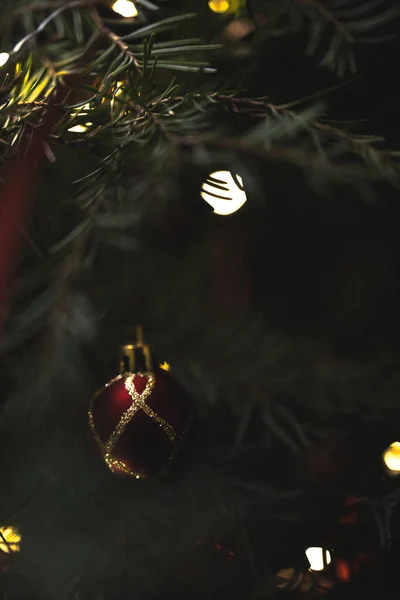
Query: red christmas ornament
point(139, 419)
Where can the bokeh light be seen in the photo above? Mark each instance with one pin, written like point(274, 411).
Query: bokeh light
point(224, 192)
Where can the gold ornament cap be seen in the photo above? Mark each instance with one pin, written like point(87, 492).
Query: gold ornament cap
point(136, 356)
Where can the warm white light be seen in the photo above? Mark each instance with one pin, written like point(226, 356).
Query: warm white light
point(119, 88)
point(232, 197)
point(4, 56)
point(80, 128)
point(391, 458)
point(9, 540)
point(125, 8)
point(318, 558)
point(219, 6)
point(82, 110)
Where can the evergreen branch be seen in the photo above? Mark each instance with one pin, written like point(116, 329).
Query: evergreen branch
point(349, 22)
point(25, 234)
point(330, 17)
point(113, 37)
point(385, 164)
point(363, 146)
point(158, 26)
point(44, 23)
point(64, 282)
point(39, 6)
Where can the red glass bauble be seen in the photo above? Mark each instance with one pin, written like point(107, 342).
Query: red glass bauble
point(139, 421)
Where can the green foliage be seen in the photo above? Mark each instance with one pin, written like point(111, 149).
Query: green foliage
point(335, 27)
point(119, 236)
point(129, 120)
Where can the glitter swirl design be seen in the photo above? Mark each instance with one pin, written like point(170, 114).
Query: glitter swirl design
point(138, 403)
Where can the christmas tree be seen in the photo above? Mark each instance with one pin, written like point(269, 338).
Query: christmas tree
point(199, 299)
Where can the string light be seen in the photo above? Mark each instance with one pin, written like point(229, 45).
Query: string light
point(219, 6)
point(9, 540)
point(119, 88)
point(318, 558)
point(4, 56)
point(391, 458)
point(80, 128)
point(83, 110)
point(125, 8)
point(227, 200)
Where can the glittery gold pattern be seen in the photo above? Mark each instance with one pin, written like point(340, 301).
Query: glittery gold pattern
point(138, 403)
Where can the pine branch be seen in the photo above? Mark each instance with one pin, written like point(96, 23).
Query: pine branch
point(330, 17)
point(39, 6)
point(335, 29)
point(65, 280)
point(115, 39)
point(363, 146)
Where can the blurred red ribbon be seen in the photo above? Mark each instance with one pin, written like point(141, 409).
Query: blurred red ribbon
point(19, 175)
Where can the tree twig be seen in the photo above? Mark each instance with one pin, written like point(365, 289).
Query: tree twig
point(329, 16)
point(291, 155)
point(57, 4)
point(111, 35)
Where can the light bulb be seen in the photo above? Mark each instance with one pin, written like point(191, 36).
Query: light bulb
point(4, 56)
point(119, 88)
point(318, 558)
point(82, 110)
point(391, 458)
point(125, 8)
point(230, 198)
point(80, 128)
point(9, 540)
point(219, 6)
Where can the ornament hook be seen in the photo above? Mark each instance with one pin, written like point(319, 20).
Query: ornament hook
point(136, 357)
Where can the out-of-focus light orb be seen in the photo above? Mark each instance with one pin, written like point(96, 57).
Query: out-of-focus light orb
point(80, 128)
point(9, 540)
point(219, 6)
point(343, 571)
point(318, 558)
point(224, 201)
point(4, 56)
point(165, 366)
point(391, 458)
point(125, 8)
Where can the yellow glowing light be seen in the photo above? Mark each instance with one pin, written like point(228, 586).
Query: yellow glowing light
point(391, 458)
point(165, 366)
point(125, 8)
point(229, 199)
point(9, 540)
point(82, 110)
point(218, 6)
point(119, 88)
point(80, 128)
point(318, 558)
point(4, 56)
